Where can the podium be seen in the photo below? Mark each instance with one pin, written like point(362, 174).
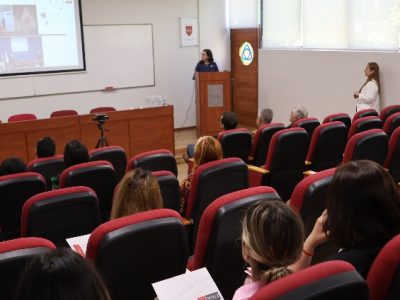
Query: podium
point(213, 96)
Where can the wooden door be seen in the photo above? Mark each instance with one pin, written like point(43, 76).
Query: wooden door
point(244, 65)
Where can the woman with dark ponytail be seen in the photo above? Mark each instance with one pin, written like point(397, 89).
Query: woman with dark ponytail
point(272, 239)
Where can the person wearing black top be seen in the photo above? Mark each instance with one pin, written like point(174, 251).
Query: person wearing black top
point(207, 63)
point(362, 215)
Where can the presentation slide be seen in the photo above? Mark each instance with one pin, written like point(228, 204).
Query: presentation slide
point(40, 36)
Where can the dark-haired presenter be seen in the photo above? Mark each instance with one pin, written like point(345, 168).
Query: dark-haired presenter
point(207, 63)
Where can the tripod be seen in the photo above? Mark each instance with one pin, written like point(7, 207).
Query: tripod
point(102, 142)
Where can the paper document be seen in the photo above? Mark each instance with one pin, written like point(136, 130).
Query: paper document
point(195, 285)
point(79, 243)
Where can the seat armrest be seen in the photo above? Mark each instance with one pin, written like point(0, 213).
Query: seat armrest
point(309, 172)
point(257, 169)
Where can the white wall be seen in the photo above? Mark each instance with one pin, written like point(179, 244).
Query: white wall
point(322, 81)
point(173, 65)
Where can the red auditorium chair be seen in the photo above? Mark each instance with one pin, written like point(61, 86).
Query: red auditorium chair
point(342, 117)
point(22, 117)
point(236, 143)
point(363, 124)
point(219, 230)
point(327, 145)
point(210, 181)
point(371, 144)
point(155, 160)
point(102, 109)
point(392, 161)
point(391, 123)
point(99, 176)
point(309, 124)
point(61, 214)
point(262, 141)
point(285, 162)
point(327, 280)
point(63, 113)
point(169, 187)
point(135, 251)
point(309, 200)
point(48, 167)
point(384, 276)
point(15, 190)
point(365, 113)
point(14, 254)
point(115, 155)
point(389, 110)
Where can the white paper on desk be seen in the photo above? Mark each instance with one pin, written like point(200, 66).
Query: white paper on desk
point(195, 285)
point(79, 243)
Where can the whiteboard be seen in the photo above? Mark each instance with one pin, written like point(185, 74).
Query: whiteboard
point(120, 56)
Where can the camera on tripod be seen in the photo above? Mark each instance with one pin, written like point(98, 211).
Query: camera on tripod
point(101, 118)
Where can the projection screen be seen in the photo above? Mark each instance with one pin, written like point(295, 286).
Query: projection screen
point(40, 36)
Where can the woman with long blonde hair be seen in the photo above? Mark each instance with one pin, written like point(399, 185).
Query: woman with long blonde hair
point(138, 191)
point(206, 149)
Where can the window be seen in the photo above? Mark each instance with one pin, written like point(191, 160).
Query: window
point(331, 24)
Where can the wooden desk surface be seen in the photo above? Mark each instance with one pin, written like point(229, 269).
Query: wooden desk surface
point(136, 130)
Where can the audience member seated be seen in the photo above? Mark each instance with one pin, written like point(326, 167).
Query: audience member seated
point(61, 274)
point(138, 191)
point(264, 116)
point(207, 149)
point(228, 120)
point(75, 153)
point(12, 165)
point(298, 112)
point(272, 239)
point(362, 215)
point(45, 147)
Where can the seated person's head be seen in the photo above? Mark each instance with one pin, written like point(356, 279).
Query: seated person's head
point(207, 149)
point(298, 112)
point(75, 153)
point(272, 239)
point(45, 147)
point(12, 165)
point(61, 274)
point(363, 205)
point(138, 191)
point(264, 117)
point(228, 120)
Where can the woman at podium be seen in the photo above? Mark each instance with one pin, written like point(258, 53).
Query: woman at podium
point(206, 63)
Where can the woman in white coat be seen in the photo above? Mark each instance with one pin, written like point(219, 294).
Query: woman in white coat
point(368, 95)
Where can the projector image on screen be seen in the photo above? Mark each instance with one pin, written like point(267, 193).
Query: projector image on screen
point(40, 37)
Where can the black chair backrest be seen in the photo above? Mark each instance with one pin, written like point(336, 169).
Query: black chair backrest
point(169, 187)
point(329, 145)
point(285, 160)
point(61, 214)
point(115, 155)
point(236, 143)
point(15, 190)
point(210, 181)
point(99, 176)
point(261, 149)
point(132, 257)
point(48, 167)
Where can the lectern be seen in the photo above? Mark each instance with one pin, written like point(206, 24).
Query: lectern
point(213, 96)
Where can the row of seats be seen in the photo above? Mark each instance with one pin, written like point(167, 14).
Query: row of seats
point(127, 252)
point(58, 113)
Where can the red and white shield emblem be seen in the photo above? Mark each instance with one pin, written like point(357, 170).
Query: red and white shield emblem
point(189, 29)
